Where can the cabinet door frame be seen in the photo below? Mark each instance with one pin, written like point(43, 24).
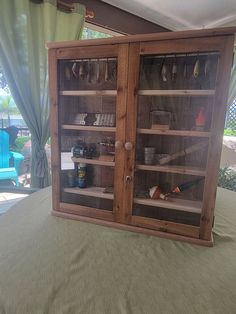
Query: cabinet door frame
point(103, 51)
point(223, 45)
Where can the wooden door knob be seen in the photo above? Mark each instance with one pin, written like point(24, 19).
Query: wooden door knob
point(118, 144)
point(128, 146)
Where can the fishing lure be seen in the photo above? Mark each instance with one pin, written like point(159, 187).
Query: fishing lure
point(185, 70)
point(174, 71)
point(196, 69)
point(207, 67)
point(82, 70)
point(74, 69)
point(164, 72)
point(67, 73)
point(106, 71)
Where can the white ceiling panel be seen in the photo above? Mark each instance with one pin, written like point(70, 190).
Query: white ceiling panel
point(182, 14)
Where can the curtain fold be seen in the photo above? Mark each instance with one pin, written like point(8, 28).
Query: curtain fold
point(25, 27)
point(232, 87)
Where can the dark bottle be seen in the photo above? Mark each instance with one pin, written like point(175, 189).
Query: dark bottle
point(82, 169)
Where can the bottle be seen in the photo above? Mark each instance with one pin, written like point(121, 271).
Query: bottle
point(71, 179)
point(200, 119)
point(82, 169)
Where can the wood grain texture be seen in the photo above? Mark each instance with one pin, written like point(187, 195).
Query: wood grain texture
point(90, 191)
point(54, 128)
point(177, 92)
point(121, 109)
point(180, 45)
point(86, 211)
point(166, 226)
point(88, 128)
point(146, 37)
point(88, 92)
point(93, 161)
point(174, 132)
point(87, 52)
point(162, 234)
point(131, 121)
point(194, 171)
point(172, 203)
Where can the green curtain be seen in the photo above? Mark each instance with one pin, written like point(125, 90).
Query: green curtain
point(232, 87)
point(25, 27)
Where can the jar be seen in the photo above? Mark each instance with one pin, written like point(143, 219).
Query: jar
point(160, 120)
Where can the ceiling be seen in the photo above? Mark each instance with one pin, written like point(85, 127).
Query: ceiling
point(182, 14)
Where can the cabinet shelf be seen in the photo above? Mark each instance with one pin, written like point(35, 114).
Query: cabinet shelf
point(88, 128)
point(93, 161)
point(172, 203)
point(174, 132)
point(194, 171)
point(90, 191)
point(176, 92)
point(88, 92)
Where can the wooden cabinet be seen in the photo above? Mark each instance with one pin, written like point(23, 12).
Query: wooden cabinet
point(136, 130)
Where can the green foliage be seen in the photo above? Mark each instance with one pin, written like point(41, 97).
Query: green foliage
point(227, 178)
point(230, 132)
point(20, 142)
point(3, 81)
point(89, 33)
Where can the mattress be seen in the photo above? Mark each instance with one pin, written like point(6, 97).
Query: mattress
point(54, 265)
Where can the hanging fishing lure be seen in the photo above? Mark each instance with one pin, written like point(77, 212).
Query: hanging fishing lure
point(196, 69)
point(184, 186)
point(174, 71)
point(74, 69)
point(207, 67)
point(164, 72)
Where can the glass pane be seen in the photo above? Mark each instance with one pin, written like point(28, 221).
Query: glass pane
point(175, 104)
point(88, 74)
point(87, 111)
point(179, 71)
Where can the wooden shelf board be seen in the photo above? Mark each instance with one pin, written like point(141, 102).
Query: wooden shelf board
point(88, 128)
point(93, 161)
point(91, 191)
point(176, 92)
point(174, 132)
point(172, 203)
point(195, 171)
point(88, 92)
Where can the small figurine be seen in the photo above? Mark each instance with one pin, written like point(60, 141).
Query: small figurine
point(200, 119)
point(156, 193)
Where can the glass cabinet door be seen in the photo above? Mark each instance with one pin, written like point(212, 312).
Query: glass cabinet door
point(174, 115)
point(88, 130)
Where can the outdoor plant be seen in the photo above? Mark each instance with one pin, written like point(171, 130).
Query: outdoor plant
point(20, 142)
point(230, 132)
point(227, 178)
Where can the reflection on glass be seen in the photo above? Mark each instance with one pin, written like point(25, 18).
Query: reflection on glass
point(174, 116)
point(87, 111)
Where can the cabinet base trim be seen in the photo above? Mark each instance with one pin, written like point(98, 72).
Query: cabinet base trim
point(117, 225)
point(85, 211)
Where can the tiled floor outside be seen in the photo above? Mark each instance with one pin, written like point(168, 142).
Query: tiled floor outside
point(7, 200)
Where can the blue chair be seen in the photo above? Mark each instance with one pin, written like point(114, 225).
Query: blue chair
point(6, 158)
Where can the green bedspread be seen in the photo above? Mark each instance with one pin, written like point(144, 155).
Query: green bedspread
point(54, 265)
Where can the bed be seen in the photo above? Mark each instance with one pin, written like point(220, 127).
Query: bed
point(54, 265)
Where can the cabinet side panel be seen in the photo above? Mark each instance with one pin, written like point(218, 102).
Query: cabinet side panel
point(218, 120)
point(122, 81)
point(53, 94)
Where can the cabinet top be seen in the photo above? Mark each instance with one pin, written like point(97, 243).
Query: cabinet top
point(145, 37)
